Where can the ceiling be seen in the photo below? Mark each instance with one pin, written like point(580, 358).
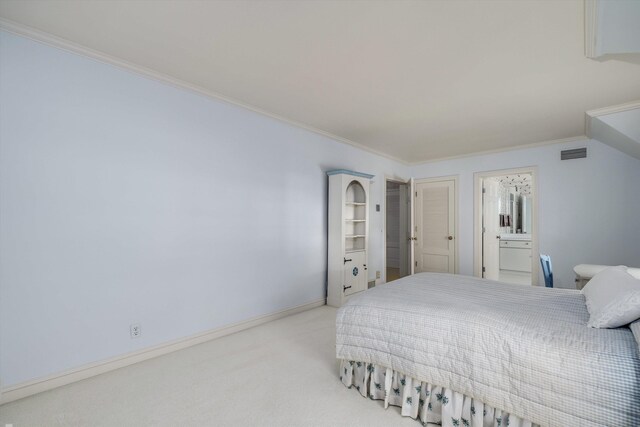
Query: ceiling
point(415, 80)
point(521, 183)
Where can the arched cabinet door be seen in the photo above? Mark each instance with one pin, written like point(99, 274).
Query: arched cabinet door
point(355, 272)
point(348, 235)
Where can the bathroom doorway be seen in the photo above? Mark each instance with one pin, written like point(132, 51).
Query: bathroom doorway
point(506, 247)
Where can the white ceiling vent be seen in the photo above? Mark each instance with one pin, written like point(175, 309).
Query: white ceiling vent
point(578, 153)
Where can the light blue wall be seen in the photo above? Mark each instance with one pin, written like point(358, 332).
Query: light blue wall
point(588, 208)
point(125, 200)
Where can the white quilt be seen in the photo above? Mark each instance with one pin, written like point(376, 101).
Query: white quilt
point(525, 350)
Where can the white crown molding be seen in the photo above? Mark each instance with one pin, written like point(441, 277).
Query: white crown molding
point(588, 125)
point(505, 149)
point(591, 28)
point(591, 114)
point(64, 44)
point(61, 43)
point(30, 388)
point(613, 109)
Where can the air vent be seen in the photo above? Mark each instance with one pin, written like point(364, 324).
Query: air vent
point(578, 153)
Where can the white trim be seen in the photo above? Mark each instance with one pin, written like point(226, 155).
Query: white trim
point(505, 149)
point(29, 388)
point(477, 218)
point(395, 178)
point(60, 43)
point(587, 125)
point(591, 28)
point(613, 109)
point(456, 214)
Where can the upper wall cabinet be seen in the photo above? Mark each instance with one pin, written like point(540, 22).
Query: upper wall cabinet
point(611, 27)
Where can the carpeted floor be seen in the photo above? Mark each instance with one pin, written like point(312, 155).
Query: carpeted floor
point(283, 373)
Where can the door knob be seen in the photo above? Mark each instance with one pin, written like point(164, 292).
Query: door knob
point(450, 237)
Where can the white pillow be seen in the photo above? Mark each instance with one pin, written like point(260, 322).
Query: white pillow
point(613, 298)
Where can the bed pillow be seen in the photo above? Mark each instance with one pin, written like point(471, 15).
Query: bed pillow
point(613, 298)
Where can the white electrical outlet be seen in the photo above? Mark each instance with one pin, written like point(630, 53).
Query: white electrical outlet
point(377, 274)
point(135, 330)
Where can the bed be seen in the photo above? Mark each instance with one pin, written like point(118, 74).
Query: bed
point(461, 351)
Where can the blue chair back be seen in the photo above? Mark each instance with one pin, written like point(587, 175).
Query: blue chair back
point(545, 260)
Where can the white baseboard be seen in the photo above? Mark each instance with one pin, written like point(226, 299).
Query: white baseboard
point(29, 388)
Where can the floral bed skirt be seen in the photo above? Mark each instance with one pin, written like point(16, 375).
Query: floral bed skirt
point(425, 402)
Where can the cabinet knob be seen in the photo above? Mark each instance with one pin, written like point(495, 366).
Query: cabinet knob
point(450, 237)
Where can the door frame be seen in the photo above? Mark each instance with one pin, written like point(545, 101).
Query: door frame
point(383, 273)
point(477, 217)
point(456, 221)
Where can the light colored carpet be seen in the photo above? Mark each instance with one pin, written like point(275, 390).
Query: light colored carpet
point(283, 373)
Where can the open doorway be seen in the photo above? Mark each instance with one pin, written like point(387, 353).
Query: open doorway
point(506, 226)
point(397, 226)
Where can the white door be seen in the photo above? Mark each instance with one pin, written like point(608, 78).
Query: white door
point(405, 230)
point(412, 227)
point(435, 226)
point(490, 229)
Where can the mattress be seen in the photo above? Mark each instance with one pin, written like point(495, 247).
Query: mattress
point(525, 350)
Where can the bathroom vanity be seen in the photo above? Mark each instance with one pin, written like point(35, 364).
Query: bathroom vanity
point(515, 252)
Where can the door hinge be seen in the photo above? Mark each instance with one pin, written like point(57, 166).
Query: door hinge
point(416, 194)
point(416, 263)
point(484, 270)
point(484, 190)
point(484, 230)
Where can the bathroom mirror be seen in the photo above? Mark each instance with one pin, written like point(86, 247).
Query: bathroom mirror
point(515, 205)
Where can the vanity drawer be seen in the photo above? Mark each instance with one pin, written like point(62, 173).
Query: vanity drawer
point(519, 244)
point(515, 259)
